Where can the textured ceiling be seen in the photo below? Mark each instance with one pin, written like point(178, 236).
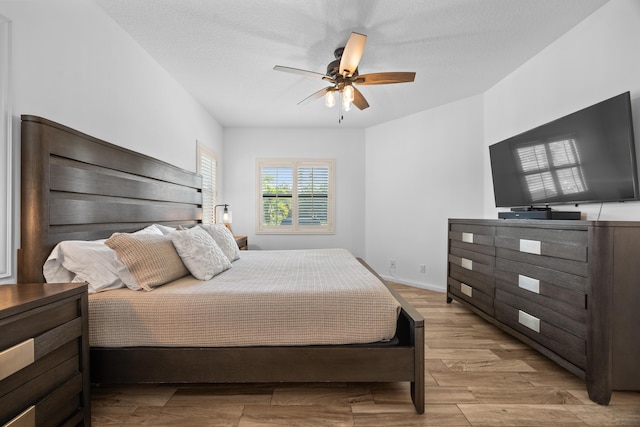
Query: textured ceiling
point(223, 51)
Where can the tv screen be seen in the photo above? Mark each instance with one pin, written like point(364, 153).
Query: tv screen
point(587, 156)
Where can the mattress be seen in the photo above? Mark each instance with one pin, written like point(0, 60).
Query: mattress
point(268, 298)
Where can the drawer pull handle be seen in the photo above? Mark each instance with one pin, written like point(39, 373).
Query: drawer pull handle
point(466, 290)
point(25, 419)
point(529, 321)
point(17, 357)
point(530, 246)
point(529, 283)
point(467, 237)
point(466, 263)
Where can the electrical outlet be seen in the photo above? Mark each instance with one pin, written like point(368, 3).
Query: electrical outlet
point(423, 268)
point(392, 263)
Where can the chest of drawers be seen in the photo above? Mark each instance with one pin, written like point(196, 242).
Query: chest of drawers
point(471, 264)
point(44, 355)
point(570, 289)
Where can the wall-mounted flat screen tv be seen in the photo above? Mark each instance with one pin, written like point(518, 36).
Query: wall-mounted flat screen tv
point(585, 157)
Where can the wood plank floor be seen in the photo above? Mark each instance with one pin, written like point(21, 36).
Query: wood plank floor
point(475, 376)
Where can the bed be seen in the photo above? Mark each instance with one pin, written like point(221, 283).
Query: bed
point(77, 187)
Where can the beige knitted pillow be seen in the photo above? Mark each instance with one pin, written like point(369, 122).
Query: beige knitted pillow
point(151, 259)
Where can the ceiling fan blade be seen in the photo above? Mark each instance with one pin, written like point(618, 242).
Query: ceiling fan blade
point(303, 72)
point(352, 53)
point(385, 78)
point(316, 95)
point(358, 100)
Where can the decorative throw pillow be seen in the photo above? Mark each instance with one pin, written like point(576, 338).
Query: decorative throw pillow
point(151, 259)
point(224, 239)
point(200, 253)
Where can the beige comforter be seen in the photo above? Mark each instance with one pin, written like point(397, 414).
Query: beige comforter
point(300, 297)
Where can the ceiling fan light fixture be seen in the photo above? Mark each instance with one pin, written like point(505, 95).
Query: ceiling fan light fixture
point(346, 103)
point(341, 78)
point(348, 93)
point(330, 98)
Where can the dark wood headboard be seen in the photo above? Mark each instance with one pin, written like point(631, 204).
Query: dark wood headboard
point(77, 187)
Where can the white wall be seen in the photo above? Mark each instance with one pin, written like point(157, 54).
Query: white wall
point(72, 64)
point(420, 171)
point(597, 59)
point(244, 145)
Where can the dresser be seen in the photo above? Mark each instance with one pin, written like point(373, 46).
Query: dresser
point(44, 355)
point(569, 289)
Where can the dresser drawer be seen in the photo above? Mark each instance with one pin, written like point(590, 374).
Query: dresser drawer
point(472, 242)
point(574, 310)
point(571, 282)
point(479, 281)
point(549, 238)
point(472, 295)
point(39, 332)
point(472, 261)
point(557, 318)
point(477, 238)
point(475, 230)
point(38, 389)
point(569, 346)
point(538, 247)
point(579, 268)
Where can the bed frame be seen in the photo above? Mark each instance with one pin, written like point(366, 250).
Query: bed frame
point(76, 187)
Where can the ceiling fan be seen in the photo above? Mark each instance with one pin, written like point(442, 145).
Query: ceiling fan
point(342, 74)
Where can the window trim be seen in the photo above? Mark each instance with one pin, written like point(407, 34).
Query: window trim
point(204, 151)
point(295, 164)
point(6, 181)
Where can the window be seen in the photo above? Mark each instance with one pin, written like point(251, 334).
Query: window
point(207, 166)
point(295, 196)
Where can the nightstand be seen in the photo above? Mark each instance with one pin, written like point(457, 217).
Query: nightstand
point(242, 242)
point(44, 354)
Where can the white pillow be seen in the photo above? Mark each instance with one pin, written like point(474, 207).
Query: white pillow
point(164, 229)
point(150, 229)
point(84, 261)
point(224, 239)
point(200, 253)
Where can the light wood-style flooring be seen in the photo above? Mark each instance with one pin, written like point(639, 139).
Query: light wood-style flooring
point(475, 376)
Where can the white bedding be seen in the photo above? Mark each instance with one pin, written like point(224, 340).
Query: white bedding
point(300, 297)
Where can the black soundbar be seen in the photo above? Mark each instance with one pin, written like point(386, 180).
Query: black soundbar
point(539, 214)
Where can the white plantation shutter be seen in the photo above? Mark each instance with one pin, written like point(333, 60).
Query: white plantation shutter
point(313, 195)
point(295, 196)
point(207, 167)
point(277, 195)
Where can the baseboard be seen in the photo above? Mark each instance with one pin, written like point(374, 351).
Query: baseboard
point(427, 286)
